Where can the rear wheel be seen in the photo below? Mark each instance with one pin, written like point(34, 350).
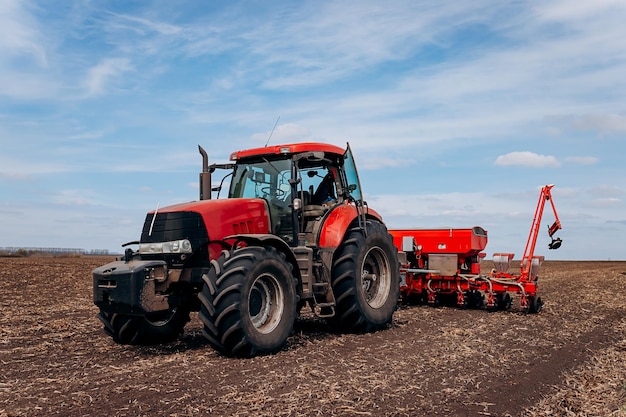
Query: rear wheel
point(153, 328)
point(365, 280)
point(248, 302)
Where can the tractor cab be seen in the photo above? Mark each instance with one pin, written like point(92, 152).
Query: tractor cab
point(301, 184)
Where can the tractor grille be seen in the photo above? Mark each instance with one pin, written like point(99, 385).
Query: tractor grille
point(174, 226)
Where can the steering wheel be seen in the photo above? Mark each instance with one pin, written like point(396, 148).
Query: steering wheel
point(277, 193)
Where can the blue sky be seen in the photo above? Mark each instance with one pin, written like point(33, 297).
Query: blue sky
point(458, 112)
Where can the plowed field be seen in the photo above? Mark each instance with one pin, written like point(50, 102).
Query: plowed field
point(569, 360)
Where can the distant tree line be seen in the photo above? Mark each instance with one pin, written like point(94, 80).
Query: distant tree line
point(27, 251)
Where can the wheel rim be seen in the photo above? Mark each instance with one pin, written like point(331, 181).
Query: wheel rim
point(375, 277)
point(161, 319)
point(266, 303)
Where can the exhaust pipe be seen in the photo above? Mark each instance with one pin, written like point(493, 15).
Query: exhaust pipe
point(205, 176)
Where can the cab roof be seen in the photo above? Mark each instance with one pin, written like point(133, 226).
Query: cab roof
point(288, 149)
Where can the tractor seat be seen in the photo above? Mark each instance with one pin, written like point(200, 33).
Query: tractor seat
point(313, 211)
point(310, 210)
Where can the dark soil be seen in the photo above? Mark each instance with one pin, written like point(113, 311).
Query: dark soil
point(567, 360)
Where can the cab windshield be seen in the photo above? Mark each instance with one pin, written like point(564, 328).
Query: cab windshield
point(262, 179)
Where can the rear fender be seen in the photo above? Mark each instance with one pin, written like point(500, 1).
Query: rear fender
point(338, 221)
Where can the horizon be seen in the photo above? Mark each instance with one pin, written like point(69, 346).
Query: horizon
point(53, 251)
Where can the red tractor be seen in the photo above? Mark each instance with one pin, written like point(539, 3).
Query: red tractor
point(293, 231)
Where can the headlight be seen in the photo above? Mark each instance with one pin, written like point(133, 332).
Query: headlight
point(175, 246)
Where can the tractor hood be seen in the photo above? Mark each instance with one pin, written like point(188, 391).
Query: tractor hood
point(220, 218)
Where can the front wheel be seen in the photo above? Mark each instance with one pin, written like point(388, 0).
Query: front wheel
point(153, 328)
point(248, 301)
point(365, 279)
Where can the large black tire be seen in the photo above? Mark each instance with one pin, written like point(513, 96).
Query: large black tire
point(248, 302)
point(365, 280)
point(154, 328)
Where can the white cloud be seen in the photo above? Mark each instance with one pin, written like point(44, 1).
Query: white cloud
point(565, 10)
point(161, 28)
point(19, 33)
point(605, 202)
point(74, 198)
point(527, 159)
point(21, 85)
point(322, 42)
point(606, 191)
point(29, 168)
point(24, 61)
point(372, 163)
point(88, 135)
point(582, 160)
point(602, 123)
point(18, 176)
point(104, 72)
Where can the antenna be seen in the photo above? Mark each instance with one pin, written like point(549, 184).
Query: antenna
point(272, 132)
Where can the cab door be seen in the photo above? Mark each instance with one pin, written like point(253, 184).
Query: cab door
point(353, 186)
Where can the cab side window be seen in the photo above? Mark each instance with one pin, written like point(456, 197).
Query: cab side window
point(318, 186)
